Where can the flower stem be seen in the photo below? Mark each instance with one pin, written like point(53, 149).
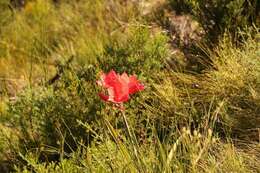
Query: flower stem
point(133, 140)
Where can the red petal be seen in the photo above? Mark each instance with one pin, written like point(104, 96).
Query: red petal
point(121, 99)
point(124, 78)
point(103, 96)
point(110, 79)
point(134, 85)
point(121, 91)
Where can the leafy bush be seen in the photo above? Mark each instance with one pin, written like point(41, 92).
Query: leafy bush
point(138, 52)
point(48, 117)
point(218, 16)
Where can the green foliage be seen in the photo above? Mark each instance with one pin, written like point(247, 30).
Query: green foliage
point(48, 117)
point(139, 52)
point(191, 152)
point(218, 16)
point(236, 81)
point(5, 12)
point(42, 33)
point(181, 122)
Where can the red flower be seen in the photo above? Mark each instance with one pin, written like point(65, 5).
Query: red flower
point(119, 87)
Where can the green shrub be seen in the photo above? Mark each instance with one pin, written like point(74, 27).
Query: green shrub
point(218, 16)
point(48, 117)
point(236, 80)
point(228, 91)
point(138, 52)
